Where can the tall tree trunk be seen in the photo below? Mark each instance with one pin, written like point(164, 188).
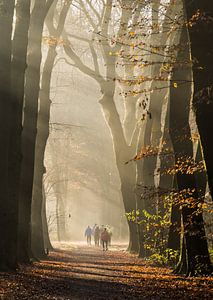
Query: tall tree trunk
point(8, 209)
point(123, 153)
point(175, 228)
point(200, 32)
point(30, 120)
point(122, 148)
point(197, 255)
point(61, 215)
point(19, 56)
point(201, 177)
point(44, 117)
point(47, 243)
point(166, 181)
point(151, 132)
point(166, 184)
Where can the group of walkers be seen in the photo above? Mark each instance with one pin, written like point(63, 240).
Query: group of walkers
point(102, 235)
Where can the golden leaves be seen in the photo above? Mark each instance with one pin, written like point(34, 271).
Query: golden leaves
point(52, 41)
point(195, 137)
point(194, 19)
point(166, 67)
point(150, 150)
point(186, 165)
point(184, 197)
point(132, 34)
point(141, 79)
point(113, 53)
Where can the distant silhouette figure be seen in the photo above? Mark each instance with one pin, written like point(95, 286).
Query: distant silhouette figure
point(102, 229)
point(105, 239)
point(93, 231)
point(93, 228)
point(97, 235)
point(110, 235)
point(88, 234)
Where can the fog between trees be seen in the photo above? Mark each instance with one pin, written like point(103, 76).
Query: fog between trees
point(106, 109)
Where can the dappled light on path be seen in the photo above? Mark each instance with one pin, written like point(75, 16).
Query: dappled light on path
point(78, 271)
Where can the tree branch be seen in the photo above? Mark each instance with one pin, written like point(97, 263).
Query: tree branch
point(48, 5)
point(92, 23)
point(78, 62)
point(94, 10)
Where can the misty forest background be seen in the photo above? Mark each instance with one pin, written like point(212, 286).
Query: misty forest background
point(106, 117)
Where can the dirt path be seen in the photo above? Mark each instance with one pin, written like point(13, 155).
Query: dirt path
point(81, 272)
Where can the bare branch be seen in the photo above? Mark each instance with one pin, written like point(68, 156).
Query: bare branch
point(78, 38)
point(95, 59)
point(94, 10)
point(78, 62)
point(92, 23)
point(66, 61)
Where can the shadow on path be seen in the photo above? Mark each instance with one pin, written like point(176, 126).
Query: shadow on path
point(88, 273)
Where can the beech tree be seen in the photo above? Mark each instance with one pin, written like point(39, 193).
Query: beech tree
point(123, 148)
point(19, 56)
point(199, 20)
point(32, 82)
point(193, 259)
point(43, 121)
point(194, 249)
point(8, 209)
point(152, 103)
point(17, 209)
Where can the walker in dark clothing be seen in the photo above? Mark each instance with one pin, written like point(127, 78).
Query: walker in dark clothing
point(105, 239)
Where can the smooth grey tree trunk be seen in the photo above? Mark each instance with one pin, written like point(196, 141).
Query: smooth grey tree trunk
point(19, 56)
point(30, 123)
point(8, 209)
point(44, 116)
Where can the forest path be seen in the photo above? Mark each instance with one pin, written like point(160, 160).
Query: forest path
point(82, 272)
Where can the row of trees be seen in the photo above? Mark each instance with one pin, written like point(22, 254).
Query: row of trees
point(145, 48)
point(143, 54)
point(22, 25)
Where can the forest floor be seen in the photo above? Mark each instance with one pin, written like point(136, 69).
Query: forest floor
point(82, 272)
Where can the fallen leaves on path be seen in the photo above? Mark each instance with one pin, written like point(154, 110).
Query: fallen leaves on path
point(83, 272)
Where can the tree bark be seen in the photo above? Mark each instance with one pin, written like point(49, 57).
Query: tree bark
point(174, 229)
point(127, 172)
point(200, 32)
point(151, 132)
point(47, 243)
point(43, 119)
point(30, 119)
point(19, 56)
point(8, 209)
point(197, 255)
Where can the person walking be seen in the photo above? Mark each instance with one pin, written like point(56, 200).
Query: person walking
point(105, 239)
point(97, 236)
point(93, 231)
point(109, 229)
point(88, 234)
